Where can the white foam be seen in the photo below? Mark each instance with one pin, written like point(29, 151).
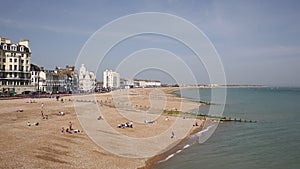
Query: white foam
point(186, 146)
point(178, 151)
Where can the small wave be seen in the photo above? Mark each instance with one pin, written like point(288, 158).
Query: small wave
point(197, 135)
point(186, 146)
point(166, 159)
point(172, 155)
point(178, 151)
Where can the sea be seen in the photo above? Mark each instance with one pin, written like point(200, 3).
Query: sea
point(273, 142)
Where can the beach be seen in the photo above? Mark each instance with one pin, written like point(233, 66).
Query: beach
point(98, 144)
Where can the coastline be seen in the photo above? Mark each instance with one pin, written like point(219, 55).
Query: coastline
point(180, 145)
point(174, 148)
point(46, 146)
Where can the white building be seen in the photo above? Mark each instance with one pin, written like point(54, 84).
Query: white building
point(126, 83)
point(87, 80)
point(38, 77)
point(14, 65)
point(138, 83)
point(147, 83)
point(111, 79)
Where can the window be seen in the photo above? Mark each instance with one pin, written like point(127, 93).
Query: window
point(4, 47)
point(3, 67)
point(22, 61)
point(4, 60)
point(27, 68)
point(15, 67)
point(10, 67)
point(16, 60)
point(22, 48)
point(13, 48)
point(27, 61)
point(10, 60)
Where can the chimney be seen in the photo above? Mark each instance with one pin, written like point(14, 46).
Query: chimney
point(24, 42)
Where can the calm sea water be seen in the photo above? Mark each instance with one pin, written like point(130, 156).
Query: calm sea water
point(271, 143)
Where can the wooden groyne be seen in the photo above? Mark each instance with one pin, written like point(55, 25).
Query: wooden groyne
point(228, 119)
point(225, 119)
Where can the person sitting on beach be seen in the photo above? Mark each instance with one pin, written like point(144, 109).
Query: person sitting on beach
point(61, 113)
point(45, 117)
point(68, 131)
point(167, 119)
point(196, 124)
point(131, 124)
point(33, 124)
point(100, 118)
point(76, 131)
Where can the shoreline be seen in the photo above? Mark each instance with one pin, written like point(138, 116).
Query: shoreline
point(46, 146)
point(180, 145)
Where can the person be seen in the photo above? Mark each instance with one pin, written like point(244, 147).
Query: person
point(173, 135)
point(76, 131)
point(131, 124)
point(62, 130)
point(42, 106)
point(61, 113)
point(70, 126)
point(45, 117)
point(68, 131)
point(100, 118)
point(42, 113)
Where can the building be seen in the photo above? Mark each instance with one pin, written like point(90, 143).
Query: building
point(62, 80)
point(126, 83)
point(146, 83)
point(138, 83)
point(111, 79)
point(87, 80)
point(38, 77)
point(15, 66)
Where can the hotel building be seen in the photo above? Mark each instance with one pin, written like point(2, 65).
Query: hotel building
point(111, 79)
point(14, 66)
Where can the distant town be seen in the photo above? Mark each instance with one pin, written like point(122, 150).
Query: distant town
point(19, 76)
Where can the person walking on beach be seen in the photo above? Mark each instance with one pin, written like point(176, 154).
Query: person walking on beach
point(173, 134)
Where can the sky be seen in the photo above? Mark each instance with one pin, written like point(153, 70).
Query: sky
point(258, 42)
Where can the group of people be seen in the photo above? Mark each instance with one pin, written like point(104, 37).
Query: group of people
point(32, 124)
point(69, 129)
point(126, 125)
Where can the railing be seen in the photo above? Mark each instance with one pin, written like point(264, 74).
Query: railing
point(17, 71)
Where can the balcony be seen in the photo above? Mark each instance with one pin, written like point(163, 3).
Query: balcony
point(14, 71)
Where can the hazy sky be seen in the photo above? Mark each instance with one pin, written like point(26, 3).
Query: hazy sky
point(257, 41)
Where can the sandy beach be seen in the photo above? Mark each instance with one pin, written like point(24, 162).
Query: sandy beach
point(100, 143)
